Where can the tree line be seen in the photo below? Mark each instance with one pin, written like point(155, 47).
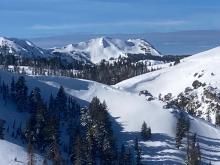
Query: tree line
point(107, 72)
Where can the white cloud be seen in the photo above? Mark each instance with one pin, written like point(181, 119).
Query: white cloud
point(163, 23)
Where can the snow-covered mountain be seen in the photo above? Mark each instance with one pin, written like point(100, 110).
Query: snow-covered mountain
point(19, 47)
point(106, 48)
point(92, 51)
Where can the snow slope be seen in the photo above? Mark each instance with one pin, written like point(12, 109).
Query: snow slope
point(19, 47)
point(12, 154)
point(12, 150)
point(203, 67)
point(98, 49)
point(128, 112)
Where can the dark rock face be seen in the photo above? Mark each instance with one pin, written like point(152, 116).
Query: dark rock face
point(196, 84)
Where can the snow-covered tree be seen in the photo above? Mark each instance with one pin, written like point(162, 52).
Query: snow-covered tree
point(182, 128)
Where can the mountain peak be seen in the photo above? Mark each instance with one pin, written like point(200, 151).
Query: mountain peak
point(103, 41)
point(4, 41)
point(105, 48)
point(2, 38)
point(94, 50)
point(21, 47)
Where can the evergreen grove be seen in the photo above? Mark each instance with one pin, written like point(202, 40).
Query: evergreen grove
point(91, 139)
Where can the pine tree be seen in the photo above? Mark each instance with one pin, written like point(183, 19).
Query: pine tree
point(208, 117)
point(61, 103)
point(91, 148)
point(137, 149)
point(179, 134)
point(193, 151)
point(149, 132)
point(31, 158)
point(129, 157)
point(77, 156)
point(45, 162)
point(51, 134)
point(56, 156)
point(21, 93)
point(145, 131)
point(37, 120)
point(105, 139)
point(5, 92)
point(125, 156)
point(182, 127)
point(51, 107)
point(34, 100)
point(12, 89)
point(122, 156)
point(2, 122)
point(217, 116)
point(99, 133)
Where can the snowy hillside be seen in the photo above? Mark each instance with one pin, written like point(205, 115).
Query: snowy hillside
point(128, 111)
point(175, 79)
point(200, 69)
point(19, 47)
point(98, 49)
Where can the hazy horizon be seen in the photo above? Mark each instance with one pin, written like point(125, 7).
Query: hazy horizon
point(168, 43)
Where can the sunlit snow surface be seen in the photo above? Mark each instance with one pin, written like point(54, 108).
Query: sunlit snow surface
point(105, 48)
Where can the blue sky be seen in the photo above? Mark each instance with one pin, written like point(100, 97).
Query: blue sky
point(37, 18)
